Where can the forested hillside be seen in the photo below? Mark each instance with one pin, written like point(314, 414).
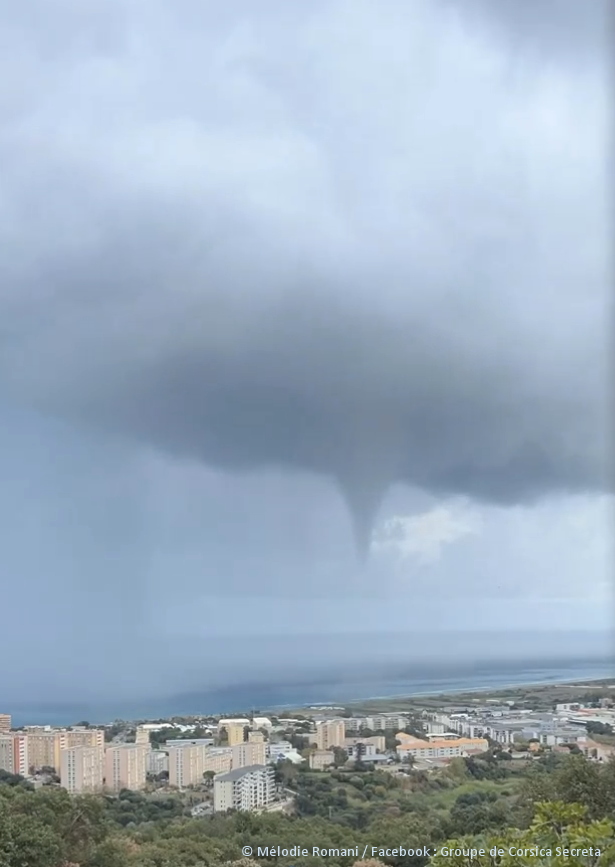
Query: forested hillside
point(565, 802)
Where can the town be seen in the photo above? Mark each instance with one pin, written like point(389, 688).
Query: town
point(233, 764)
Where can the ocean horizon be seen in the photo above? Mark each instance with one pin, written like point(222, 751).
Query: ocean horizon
point(326, 691)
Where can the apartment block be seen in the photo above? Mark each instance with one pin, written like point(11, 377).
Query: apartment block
point(142, 737)
point(81, 737)
point(218, 760)
point(126, 767)
point(157, 762)
point(14, 753)
point(236, 733)
point(321, 759)
point(234, 721)
point(357, 748)
point(373, 744)
point(256, 738)
point(446, 748)
point(380, 722)
point(329, 734)
point(186, 766)
point(43, 746)
point(5, 723)
point(248, 754)
point(244, 789)
point(82, 769)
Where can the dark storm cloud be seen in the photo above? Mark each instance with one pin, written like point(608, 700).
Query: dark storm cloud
point(564, 30)
point(303, 240)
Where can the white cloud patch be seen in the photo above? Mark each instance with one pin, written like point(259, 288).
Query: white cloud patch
point(423, 537)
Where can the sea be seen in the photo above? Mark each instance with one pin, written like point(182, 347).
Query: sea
point(333, 690)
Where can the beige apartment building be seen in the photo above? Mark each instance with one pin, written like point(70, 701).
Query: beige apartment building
point(321, 759)
point(142, 737)
point(81, 737)
point(330, 733)
point(218, 760)
point(236, 733)
point(446, 748)
point(82, 769)
point(186, 766)
point(7, 753)
point(126, 767)
point(43, 747)
point(248, 754)
point(5, 723)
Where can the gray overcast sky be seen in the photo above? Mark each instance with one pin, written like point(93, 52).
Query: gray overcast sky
point(285, 283)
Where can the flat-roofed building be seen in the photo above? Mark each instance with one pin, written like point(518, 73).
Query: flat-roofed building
point(249, 754)
point(82, 769)
point(142, 737)
point(446, 748)
point(14, 753)
point(5, 723)
point(43, 749)
point(157, 762)
point(330, 733)
point(81, 737)
point(126, 766)
point(218, 760)
point(236, 734)
point(321, 759)
point(244, 789)
point(186, 766)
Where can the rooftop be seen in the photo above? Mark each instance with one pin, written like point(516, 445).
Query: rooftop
point(238, 773)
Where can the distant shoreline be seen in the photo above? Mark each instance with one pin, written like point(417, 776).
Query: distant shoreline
point(313, 696)
point(574, 682)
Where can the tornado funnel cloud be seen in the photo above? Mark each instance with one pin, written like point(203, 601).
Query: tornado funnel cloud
point(363, 496)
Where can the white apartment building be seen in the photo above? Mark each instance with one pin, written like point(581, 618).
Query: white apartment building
point(362, 748)
point(5, 723)
point(231, 721)
point(244, 789)
point(376, 742)
point(262, 722)
point(379, 722)
point(82, 769)
point(126, 766)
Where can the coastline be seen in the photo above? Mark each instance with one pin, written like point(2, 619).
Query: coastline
point(508, 687)
point(300, 697)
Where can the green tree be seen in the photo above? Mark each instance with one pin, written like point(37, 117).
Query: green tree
point(560, 834)
point(340, 757)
